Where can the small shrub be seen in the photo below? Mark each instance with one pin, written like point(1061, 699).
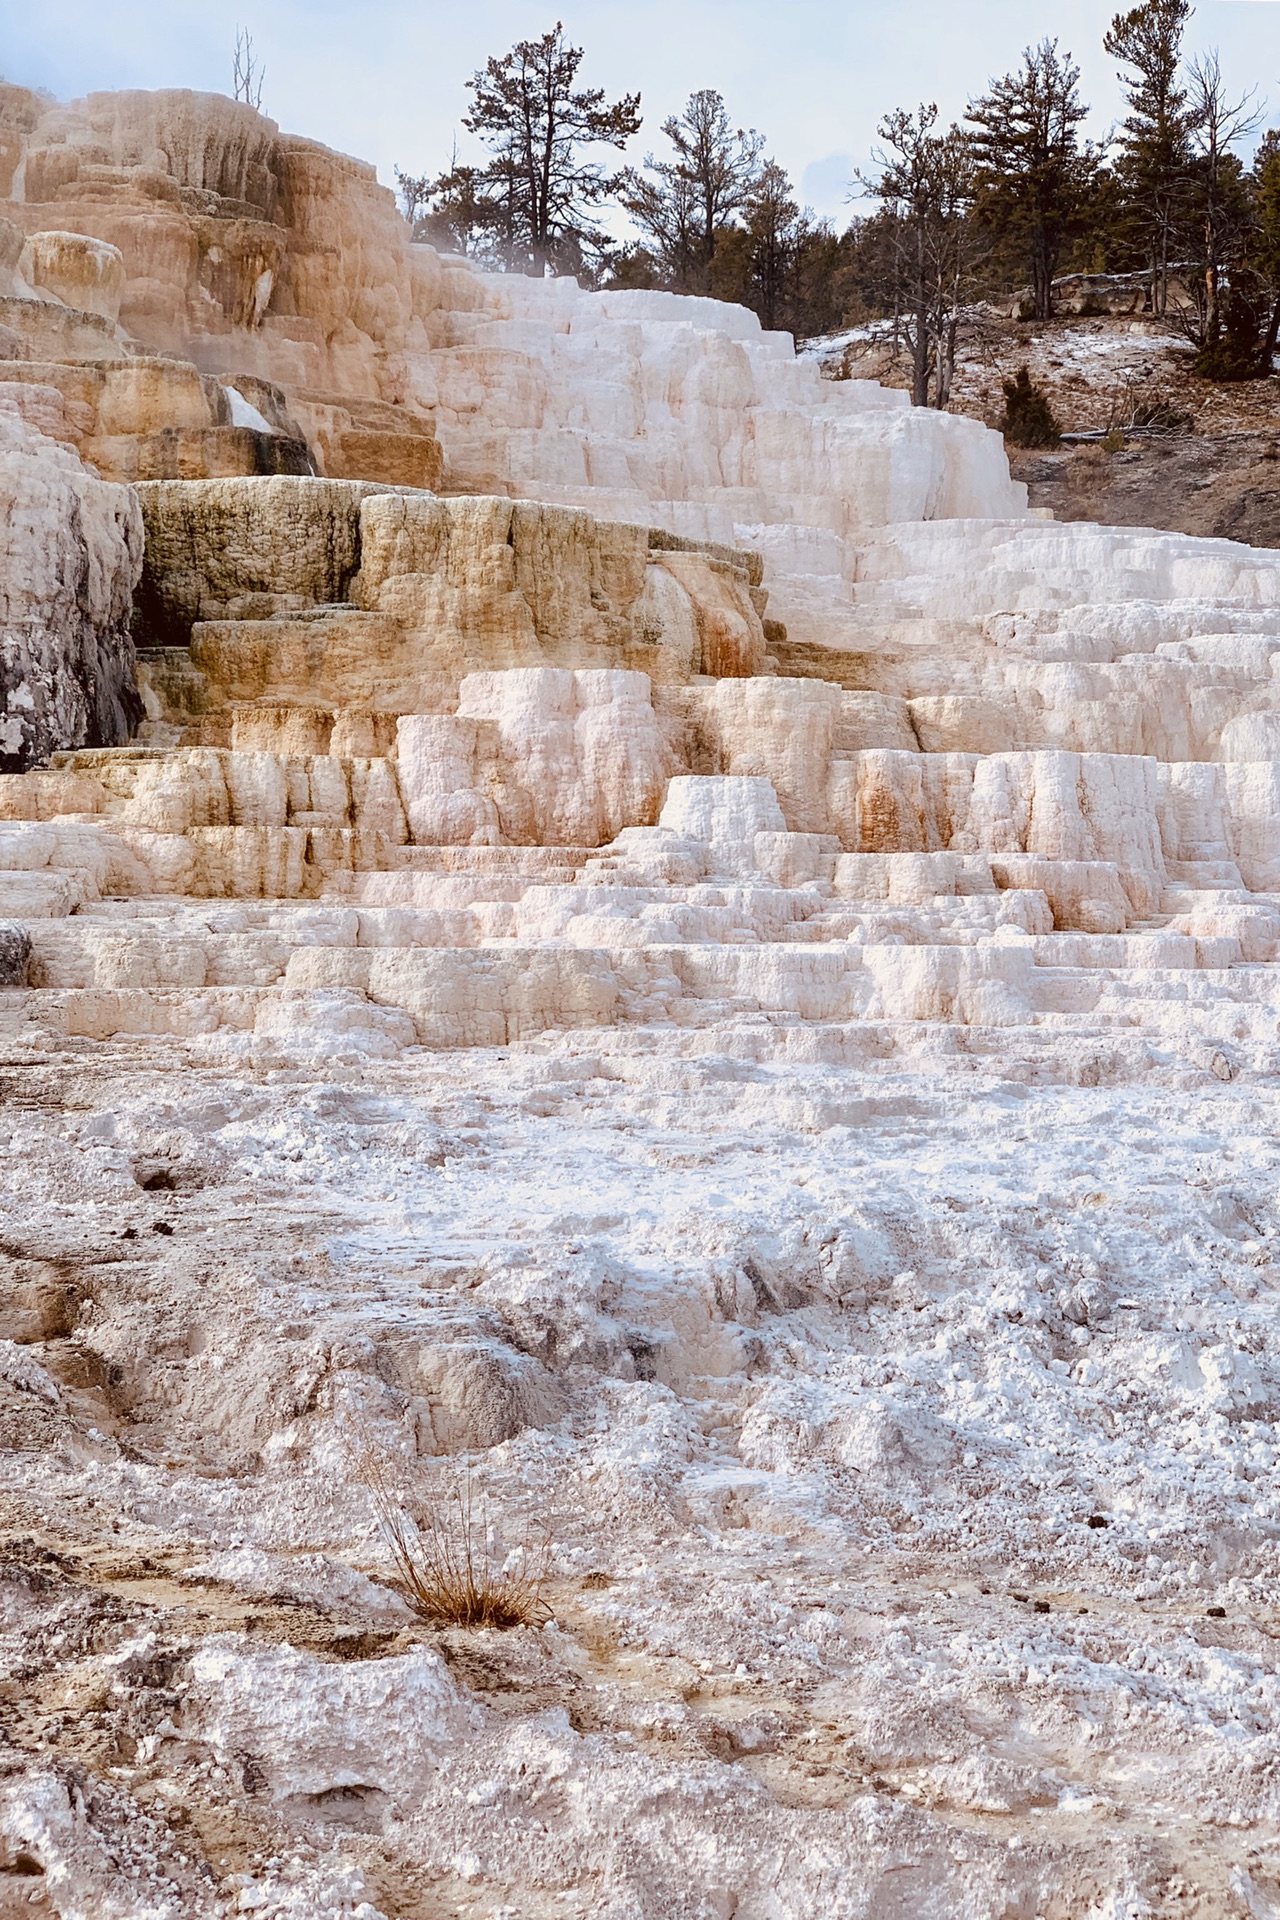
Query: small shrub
point(1233, 351)
point(1028, 419)
point(1112, 441)
point(443, 1565)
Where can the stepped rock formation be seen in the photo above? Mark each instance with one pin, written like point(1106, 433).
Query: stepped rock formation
point(577, 898)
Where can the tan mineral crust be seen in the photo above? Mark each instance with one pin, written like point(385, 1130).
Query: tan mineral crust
point(615, 926)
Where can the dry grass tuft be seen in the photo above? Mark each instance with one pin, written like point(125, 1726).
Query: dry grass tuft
point(444, 1566)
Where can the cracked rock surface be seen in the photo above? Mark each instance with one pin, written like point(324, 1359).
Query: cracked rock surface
point(906, 1470)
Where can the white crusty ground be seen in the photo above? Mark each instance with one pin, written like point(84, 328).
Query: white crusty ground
point(814, 1349)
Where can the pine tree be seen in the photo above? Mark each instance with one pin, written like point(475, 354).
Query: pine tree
point(1033, 175)
point(775, 231)
point(665, 210)
point(686, 203)
point(1028, 419)
point(1265, 239)
point(531, 203)
point(1154, 158)
point(460, 212)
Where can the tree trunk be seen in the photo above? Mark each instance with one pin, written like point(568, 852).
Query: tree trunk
point(920, 360)
point(1041, 278)
point(947, 359)
point(1212, 289)
point(920, 367)
point(1267, 352)
point(1160, 280)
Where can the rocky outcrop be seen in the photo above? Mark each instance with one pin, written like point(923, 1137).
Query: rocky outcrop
point(257, 254)
point(70, 556)
point(224, 550)
point(82, 273)
point(342, 594)
point(192, 296)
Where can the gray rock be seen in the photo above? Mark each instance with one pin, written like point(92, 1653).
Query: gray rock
point(15, 954)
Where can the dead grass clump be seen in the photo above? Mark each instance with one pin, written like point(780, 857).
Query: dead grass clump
point(1159, 414)
point(444, 1565)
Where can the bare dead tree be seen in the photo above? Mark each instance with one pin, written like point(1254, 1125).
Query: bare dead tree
point(925, 185)
point(248, 73)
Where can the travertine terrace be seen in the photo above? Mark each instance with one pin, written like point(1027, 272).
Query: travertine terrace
point(586, 908)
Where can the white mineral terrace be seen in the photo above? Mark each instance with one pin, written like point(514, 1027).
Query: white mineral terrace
point(706, 973)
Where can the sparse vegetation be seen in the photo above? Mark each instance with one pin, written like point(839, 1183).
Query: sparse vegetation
point(1232, 349)
point(1144, 407)
point(247, 71)
point(1161, 415)
point(445, 1565)
point(1028, 419)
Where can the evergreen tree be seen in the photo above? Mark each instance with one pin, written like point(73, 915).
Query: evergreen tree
point(455, 213)
point(775, 232)
point(1154, 158)
point(687, 202)
point(1265, 238)
point(1032, 174)
point(665, 209)
point(531, 204)
point(1105, 238)
point(820, 298)
point(460, 212)
point(719, 219)
point(1028, 419)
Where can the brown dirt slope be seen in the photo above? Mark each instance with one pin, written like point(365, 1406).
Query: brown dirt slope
point(1226, 485)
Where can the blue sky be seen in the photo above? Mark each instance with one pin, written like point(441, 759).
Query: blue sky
point(385, 79)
